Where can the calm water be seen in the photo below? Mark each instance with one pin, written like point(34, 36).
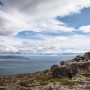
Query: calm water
point(35, 63)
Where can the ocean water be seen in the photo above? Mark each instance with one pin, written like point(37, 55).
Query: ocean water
point(33, 64)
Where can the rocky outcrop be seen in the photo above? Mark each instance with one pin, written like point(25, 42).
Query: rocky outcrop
point(87, 56)
point(72, 67)
point(79, 58)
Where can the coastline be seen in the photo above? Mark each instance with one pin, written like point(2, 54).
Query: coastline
point(53, 78)
point(40, 81)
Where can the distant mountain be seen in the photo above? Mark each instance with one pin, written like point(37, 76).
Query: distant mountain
point(12, 57)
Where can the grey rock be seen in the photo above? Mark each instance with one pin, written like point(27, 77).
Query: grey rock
point(79, 58)
point(87, 56)
point(72, 67)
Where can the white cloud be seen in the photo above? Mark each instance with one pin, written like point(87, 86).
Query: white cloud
point(37, 15)
point(60, 44)
point(85, 28)
point(9, 44)
point(76, 43)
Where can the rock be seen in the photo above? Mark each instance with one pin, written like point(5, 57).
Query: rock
point(79, 58)
point(60, 72)
point(70, 70)
point(62, 63)
point(72, 67)
point(87, 56)
point(54, 66)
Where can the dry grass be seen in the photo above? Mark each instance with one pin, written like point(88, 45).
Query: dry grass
point(88, 87)
point(86, 74)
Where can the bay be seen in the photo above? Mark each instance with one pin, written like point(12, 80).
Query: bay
point(35, 63)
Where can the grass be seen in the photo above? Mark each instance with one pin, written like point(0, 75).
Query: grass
point(63, 81)
point(70, 83)
point(43, 83)
point(1, 88)
point(87, 79)
point(88, 87)
point(24, 84)
point(86, 74)
point(35, 79)
point(44, 80)
point(1, 83)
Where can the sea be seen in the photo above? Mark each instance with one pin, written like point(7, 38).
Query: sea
point(34, 63)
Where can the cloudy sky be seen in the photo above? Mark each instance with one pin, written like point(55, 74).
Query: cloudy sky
point(45, 26)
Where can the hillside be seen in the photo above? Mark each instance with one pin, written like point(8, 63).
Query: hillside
point(68, 75)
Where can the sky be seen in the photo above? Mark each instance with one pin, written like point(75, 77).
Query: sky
point(44, 26)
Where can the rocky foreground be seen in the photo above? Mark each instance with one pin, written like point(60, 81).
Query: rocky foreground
point(68, 75)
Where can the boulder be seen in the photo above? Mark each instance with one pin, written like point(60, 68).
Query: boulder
point(87, 56)
point(60, 72)
point(70, 70)
point(62, 63)
point(54, 66)
point(78, 58)
point(71, 67)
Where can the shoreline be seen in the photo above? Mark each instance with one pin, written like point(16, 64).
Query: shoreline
point(68, 75)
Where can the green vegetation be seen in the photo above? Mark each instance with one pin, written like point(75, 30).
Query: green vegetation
point(24, 84)
point(43, 83)
point(41, 79)
point(86, 74)
point(88, 87)
point(87, 79)
point(45, 80)
point(69, 82)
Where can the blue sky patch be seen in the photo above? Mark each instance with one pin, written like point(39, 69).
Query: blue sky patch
point(77, 20)
point(29, 35)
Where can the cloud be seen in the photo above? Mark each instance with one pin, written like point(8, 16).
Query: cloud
point(85, 29)
point(9, 44)
point(40, 16)
point(37, 15)
point(1, 4)
point(55, 45)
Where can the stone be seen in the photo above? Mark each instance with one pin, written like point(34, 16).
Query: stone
point(54, 66)
point(79, 58)
point(62, 63)
point(87, 56)
point(71, 67)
